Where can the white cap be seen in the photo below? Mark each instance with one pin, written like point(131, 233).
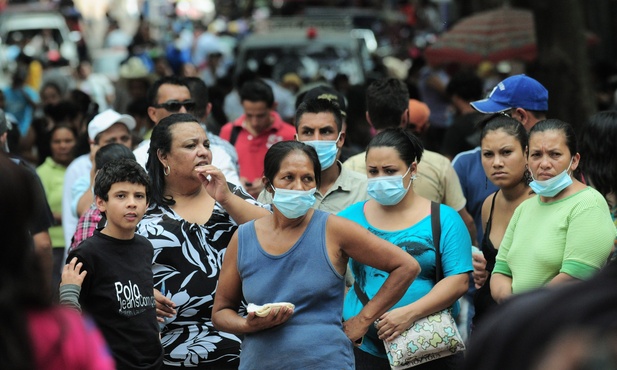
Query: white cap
point(106, 119)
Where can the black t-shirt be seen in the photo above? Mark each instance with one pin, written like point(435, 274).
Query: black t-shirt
point(42, 218)
point(118, 292)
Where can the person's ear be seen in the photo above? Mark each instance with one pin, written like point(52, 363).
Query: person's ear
point(208, 109)
point(405, 118)
point(266, 184)
point(414, 168)
point(575, 161)
point(341, 140)
point(368, 118)
point(101, 204)
point(522, 116)
point(162, 157)
point(152, 114)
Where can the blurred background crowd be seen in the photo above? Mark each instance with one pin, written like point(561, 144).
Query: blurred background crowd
point(64, 61)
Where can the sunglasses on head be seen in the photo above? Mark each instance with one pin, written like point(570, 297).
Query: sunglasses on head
point(175, 106)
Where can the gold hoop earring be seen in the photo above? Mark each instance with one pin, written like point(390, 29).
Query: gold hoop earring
point(166, 170)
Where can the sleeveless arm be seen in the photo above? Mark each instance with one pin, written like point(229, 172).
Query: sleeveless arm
point(364, 247)
point(229, 296)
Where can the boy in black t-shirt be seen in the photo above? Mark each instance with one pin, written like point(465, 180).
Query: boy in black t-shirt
point(110, 273)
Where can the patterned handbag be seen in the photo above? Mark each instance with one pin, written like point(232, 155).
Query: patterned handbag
point(431, 337)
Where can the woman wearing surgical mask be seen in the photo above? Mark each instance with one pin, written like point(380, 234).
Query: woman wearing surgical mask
point(397, 214)
point(565, 232)
point(299, 255)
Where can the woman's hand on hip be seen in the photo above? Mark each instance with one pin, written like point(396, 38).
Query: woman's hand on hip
point(355, 328)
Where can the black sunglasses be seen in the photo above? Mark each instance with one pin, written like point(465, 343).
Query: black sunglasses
point(175, 106)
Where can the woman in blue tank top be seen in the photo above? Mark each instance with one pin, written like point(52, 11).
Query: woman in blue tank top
point(299, 255)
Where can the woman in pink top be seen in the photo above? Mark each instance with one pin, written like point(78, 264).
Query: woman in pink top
point(41, 336)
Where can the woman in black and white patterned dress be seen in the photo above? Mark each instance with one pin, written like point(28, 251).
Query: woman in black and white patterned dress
point(193, 214)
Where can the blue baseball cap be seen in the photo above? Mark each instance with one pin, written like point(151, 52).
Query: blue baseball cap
point(518, 91)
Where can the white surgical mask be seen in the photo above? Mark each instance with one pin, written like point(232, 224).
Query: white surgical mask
point(388, 190)
point(293, 203)
point(553, 186)
point(326, 151)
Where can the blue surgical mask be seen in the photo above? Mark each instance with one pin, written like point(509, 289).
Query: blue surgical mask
point(293, 203)
point(388, 190)
point(553, 186)
point(326, 151)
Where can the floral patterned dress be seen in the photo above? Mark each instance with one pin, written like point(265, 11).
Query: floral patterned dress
point(186, 266)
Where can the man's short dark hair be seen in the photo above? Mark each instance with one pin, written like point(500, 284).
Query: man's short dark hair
point(386, 101)
point(257, 90)
point(199, 94)
point(320, 106)
point(153, 91)
point(111, 152)
point(121, 170)
point(466, 85)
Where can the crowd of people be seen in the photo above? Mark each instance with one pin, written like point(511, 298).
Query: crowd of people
point(163, 220)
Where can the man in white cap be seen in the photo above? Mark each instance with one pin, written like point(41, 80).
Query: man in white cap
point(107, 127)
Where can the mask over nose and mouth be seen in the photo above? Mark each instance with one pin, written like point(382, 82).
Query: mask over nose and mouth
point(388, 190)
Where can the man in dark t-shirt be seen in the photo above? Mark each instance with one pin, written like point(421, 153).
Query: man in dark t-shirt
point(42, 219)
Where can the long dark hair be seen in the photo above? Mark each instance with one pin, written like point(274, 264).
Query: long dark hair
point(408, 145)
point(161, 141)
point(23, 286)
point(598, 155)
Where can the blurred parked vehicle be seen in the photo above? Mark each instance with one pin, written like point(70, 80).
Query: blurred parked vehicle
point(38, 32)
point(311, 49)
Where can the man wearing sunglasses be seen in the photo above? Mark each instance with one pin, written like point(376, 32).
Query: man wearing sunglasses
point(169, 95)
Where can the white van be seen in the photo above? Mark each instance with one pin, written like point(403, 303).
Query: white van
point(34, 32)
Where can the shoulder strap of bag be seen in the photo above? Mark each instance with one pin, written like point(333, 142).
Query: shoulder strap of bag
point(436, 226)
point(360, 293)
point(235, 130)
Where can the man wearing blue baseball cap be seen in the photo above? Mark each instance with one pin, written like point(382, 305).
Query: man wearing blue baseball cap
point(522, 98)
point(519, 96)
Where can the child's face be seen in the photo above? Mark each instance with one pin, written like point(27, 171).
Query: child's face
point(124, 208)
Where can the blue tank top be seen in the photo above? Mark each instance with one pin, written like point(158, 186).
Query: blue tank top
point(313, 338)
